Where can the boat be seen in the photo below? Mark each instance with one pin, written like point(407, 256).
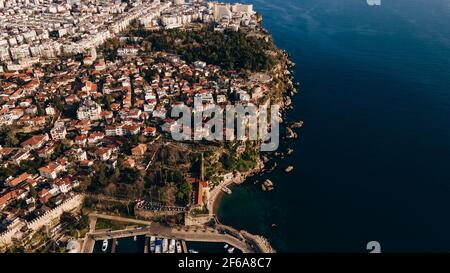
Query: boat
point(135, 238)
point(226, 190)
point(158, 249)
point(172, 246)
point(225, 246)
point(179, 249)
point(158, 246)
point(230, 250)
point(192, 251)
point(105, 245)
point(152, 244)
point(165, 245)
point(289, 169)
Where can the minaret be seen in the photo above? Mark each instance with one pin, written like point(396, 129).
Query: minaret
point(202, 169)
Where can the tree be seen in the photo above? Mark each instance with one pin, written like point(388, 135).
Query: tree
point(184, 192)
point(99, 179)
point(228, 162)
point(129, 176)
point(107, 99)
point(68, 220)
point(230, 50)
point(72, 224)
point(58, 102)
point(11, 139)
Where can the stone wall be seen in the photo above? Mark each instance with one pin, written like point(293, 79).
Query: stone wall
point(44, 220)
point(198, 220)
point(7, 236)
point(151, 215)
point(68, 205)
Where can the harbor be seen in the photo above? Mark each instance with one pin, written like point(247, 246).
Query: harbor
point(160, 245)
point(154, 238)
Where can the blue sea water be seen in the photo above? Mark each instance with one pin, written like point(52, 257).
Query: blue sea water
point(373, 159)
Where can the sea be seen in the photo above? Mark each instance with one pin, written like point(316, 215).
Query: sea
point(372, 161)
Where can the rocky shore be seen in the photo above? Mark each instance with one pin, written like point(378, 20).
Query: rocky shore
point(238, 178)
point(284, 90)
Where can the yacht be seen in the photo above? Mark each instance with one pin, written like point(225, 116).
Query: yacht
point(225, 246)
point(230, 250)
point(179, 249)
point(172, 246)
point(105, 245)
point(152, 244)
point(165, 245)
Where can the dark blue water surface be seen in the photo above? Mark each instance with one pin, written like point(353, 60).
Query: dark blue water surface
point(373, 159)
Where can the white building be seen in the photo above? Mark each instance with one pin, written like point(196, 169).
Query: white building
point(89, 109)
point(58, 132)
point(221, 11)
point(248, 9)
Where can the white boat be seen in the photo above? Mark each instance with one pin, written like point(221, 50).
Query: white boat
point(289, 169)
point(165, 245)
point(225, 246)
point(192, 251)
point(230, 250)
point(226, 190)
point(135, 238)
point(105, 245)
point(152, 244)
point(158, 249)
point(179, 249)
point(172, 246)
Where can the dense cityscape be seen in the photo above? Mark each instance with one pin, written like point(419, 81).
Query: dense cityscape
point(86, 92)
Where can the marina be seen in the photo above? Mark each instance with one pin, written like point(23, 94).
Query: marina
point(159, 245)
point(122, 245)
point(151, 238)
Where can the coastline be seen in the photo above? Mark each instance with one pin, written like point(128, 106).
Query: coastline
point(284, 70)
point(216, 194)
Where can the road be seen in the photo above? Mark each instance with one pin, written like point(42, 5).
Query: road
point(120, 219)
